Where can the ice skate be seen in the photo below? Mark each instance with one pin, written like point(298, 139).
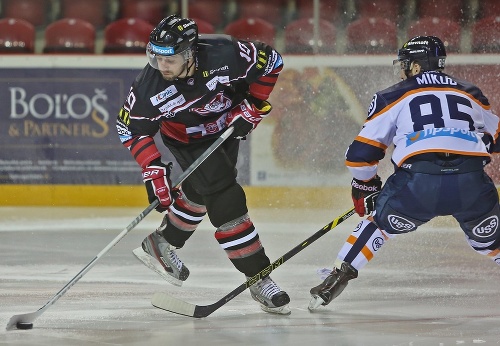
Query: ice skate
point(333, 285)
point(158, 255)
point(270, 296)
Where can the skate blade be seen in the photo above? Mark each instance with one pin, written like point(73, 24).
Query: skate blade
point(153, 264)
point(281, 310)
point(315, 302)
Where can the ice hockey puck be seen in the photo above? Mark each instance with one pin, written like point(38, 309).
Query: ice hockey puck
point(24, 325)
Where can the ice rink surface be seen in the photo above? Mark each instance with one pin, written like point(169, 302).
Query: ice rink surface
point(425, 288)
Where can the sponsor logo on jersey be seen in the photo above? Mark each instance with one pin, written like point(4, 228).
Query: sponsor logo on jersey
point(212, 84)
point(167, 107)
point(373, 106)
point(274, 62)
point(216, 105)
point(486, 228)
point(163, 95)
point(415, 137)
point(123, 132)
point(211, 72)
point(377, 243)
point(399, 223)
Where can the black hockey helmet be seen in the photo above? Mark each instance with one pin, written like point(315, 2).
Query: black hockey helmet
point(173, 35)
point(427, 51)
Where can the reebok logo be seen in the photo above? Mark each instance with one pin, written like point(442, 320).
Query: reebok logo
point(364, 187)
point(486, 228)
point(401, 224)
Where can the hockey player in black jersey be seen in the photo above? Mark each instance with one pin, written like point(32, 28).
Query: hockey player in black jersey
point(443, 133)
point(195, 87)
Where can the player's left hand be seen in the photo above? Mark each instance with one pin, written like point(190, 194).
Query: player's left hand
point(156, 177)
point(364, 194)
point(246, 116)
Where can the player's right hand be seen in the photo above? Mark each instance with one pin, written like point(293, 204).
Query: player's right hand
point(156, 177)
point(246, 116)
point(364, 194)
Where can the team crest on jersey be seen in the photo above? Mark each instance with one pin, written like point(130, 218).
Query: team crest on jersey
point(373, 106)
point(163, 95)
point(218, 104)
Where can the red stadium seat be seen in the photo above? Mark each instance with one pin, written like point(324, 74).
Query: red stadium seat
point(204, 27)
point(371, 35)
point(92, 11)
point(127, 36)
point(328, 9)
point(152, 11)
point(489, 8)
point(17, 36)
point(453, 10)
point(269, 10)
point(486, 35)
point(299, 37)
point(69, 35)
point(33, 11)
point(211, 11)
point(253, 29)
point(388, 9)
point(447, 30)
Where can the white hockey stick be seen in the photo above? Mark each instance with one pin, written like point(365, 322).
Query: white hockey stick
point(166, 302)
point(26, 319)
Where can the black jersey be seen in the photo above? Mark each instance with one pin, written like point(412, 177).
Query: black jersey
point(193, 109)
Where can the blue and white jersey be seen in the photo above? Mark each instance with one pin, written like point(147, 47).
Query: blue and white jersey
point(430, 112)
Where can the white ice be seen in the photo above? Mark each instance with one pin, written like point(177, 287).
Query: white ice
point(425, 288)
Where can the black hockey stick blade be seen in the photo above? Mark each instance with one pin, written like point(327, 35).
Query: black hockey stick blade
point(169, 303)
point(30, 317)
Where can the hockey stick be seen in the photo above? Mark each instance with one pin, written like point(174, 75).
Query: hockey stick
point(24, 321)
point(167, 302)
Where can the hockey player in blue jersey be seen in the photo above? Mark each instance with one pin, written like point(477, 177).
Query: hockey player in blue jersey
point(443, 133)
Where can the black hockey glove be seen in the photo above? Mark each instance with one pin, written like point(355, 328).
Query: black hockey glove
point(156, 177)
point(364, 194)
point(246, 116)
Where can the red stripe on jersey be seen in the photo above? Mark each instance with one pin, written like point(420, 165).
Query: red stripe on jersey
point(175, 131)
point(144, 150)
point(220, 235)
point(262, 88)
point(260, 91)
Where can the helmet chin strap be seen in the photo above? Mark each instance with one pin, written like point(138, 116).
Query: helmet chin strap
point(186, 69)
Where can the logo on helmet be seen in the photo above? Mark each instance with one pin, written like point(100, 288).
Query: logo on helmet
point(162, 50)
